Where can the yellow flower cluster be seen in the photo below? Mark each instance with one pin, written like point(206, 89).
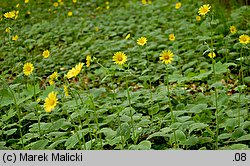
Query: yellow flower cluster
point(171, 37)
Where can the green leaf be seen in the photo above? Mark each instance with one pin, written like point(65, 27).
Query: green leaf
point(108, 132)
point(220, 68)
point(144, 145)
point(180, 137)
point(154, 109)
point(197, 126)
point(198, 108)
point(124, 130)
point(10, 132)
point(244, 138)
point(38, 145)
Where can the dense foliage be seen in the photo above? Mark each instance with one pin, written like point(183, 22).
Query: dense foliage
point(124, 96)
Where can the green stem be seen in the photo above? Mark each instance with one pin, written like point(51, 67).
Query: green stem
point(217, 110)
point(131, 116)
point(37, 113)
point(96, 119)
point(171, 110)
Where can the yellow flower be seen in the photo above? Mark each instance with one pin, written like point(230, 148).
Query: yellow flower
point(144, 2)
point(198, 18)
point(74, 71)
point(55, 4)
point(244, 39)
point(106, 2)
point(74, 1)
point(28, 68)
point(177, 5)
point(17, 5)
point(59, 1)
point(212, 55)
point(52, 78)
point(119, 58)
point(127, 37)
point(203, 10)
point(50, 102)
point(10, 14)
point(88, 60)
point(7, 30)
point(28, 12)
point(70, 13)
point(141, 41)
point(46, 53)
point(66, 91)
point(14, 38)
point(171, 37)
point(233, 29)
point(26, 1)
point(107, 7)
point(166, 56)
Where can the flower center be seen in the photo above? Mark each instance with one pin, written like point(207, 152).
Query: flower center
point(52, 102)
point(166, 57)
point(119, 58)
point(29, 68)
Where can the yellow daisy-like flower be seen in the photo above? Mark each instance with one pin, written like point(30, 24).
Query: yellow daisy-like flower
point(203, 10)
point(52, 78)
point(14, 38)
point(28, 68)
point(70, 13)
point(46, 53)
point(166, 56)
point(10, 14)
point(177, 5)
point(198, 18)
point(26, 1)
point(141, 41)
point(119, 58)
point(233, 29)
point(50, 102)
point(88, 60)
point(75, 71)
point(74, 1)
point(244, 39)
point(55, 4)
point(171, 37)
point(127, 37)
point(212, 55)
point(66, 91)
point(7, 30)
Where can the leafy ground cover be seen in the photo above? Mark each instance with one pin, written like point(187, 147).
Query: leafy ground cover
point(124, 75)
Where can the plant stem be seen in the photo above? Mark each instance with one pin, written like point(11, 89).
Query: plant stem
point(96, 119)
point(131, 116)
point(171, 110)
point(216, 111)
point(37, 113)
